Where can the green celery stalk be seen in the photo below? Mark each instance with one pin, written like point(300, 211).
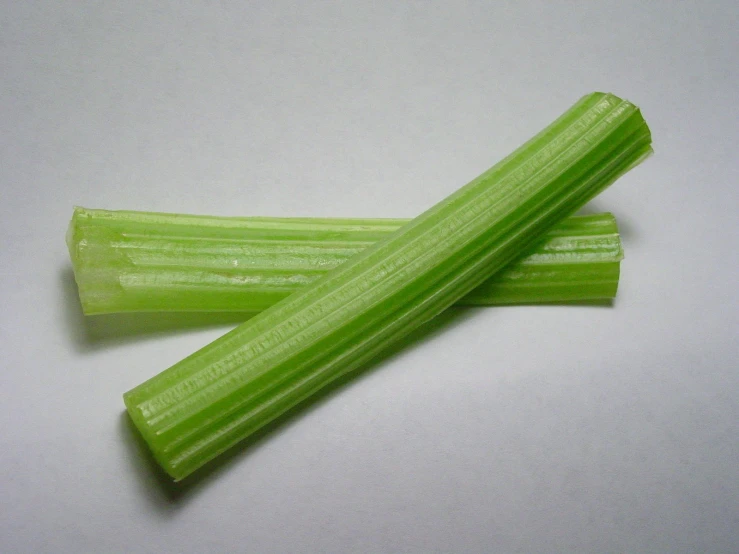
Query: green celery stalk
point(213, 399)
point(138, 261)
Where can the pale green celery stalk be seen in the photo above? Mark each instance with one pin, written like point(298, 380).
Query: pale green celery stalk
point(139, 261)
point(226, 391)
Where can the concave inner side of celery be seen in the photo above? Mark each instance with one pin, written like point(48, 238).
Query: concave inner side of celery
point(139, 261)
point(221, 394)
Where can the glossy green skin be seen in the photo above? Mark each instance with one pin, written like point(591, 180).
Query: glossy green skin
point(234, 386)
point(139, 261)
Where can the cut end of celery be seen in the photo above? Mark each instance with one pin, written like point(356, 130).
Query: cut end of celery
point(97, 282)
point(140, 423)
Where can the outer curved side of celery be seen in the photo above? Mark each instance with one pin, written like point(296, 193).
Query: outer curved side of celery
point(139, 261)
point(221, 394)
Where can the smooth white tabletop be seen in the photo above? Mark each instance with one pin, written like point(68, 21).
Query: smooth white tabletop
point(517, 429)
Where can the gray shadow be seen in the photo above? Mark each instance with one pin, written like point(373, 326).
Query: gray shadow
point(153, 483)
point(604, 303)
point(167, 496)
point(90, 333)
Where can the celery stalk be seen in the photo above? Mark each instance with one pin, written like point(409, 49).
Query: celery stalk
point(139, 261)
point(210, 401)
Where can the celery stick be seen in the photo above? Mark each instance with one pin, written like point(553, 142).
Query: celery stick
point(139, 261)
point(229, 389)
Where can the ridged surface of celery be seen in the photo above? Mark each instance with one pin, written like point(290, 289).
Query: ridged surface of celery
point(138, 261)
point(224, 392)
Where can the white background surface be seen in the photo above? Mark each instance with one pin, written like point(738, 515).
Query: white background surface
point(532, 429)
